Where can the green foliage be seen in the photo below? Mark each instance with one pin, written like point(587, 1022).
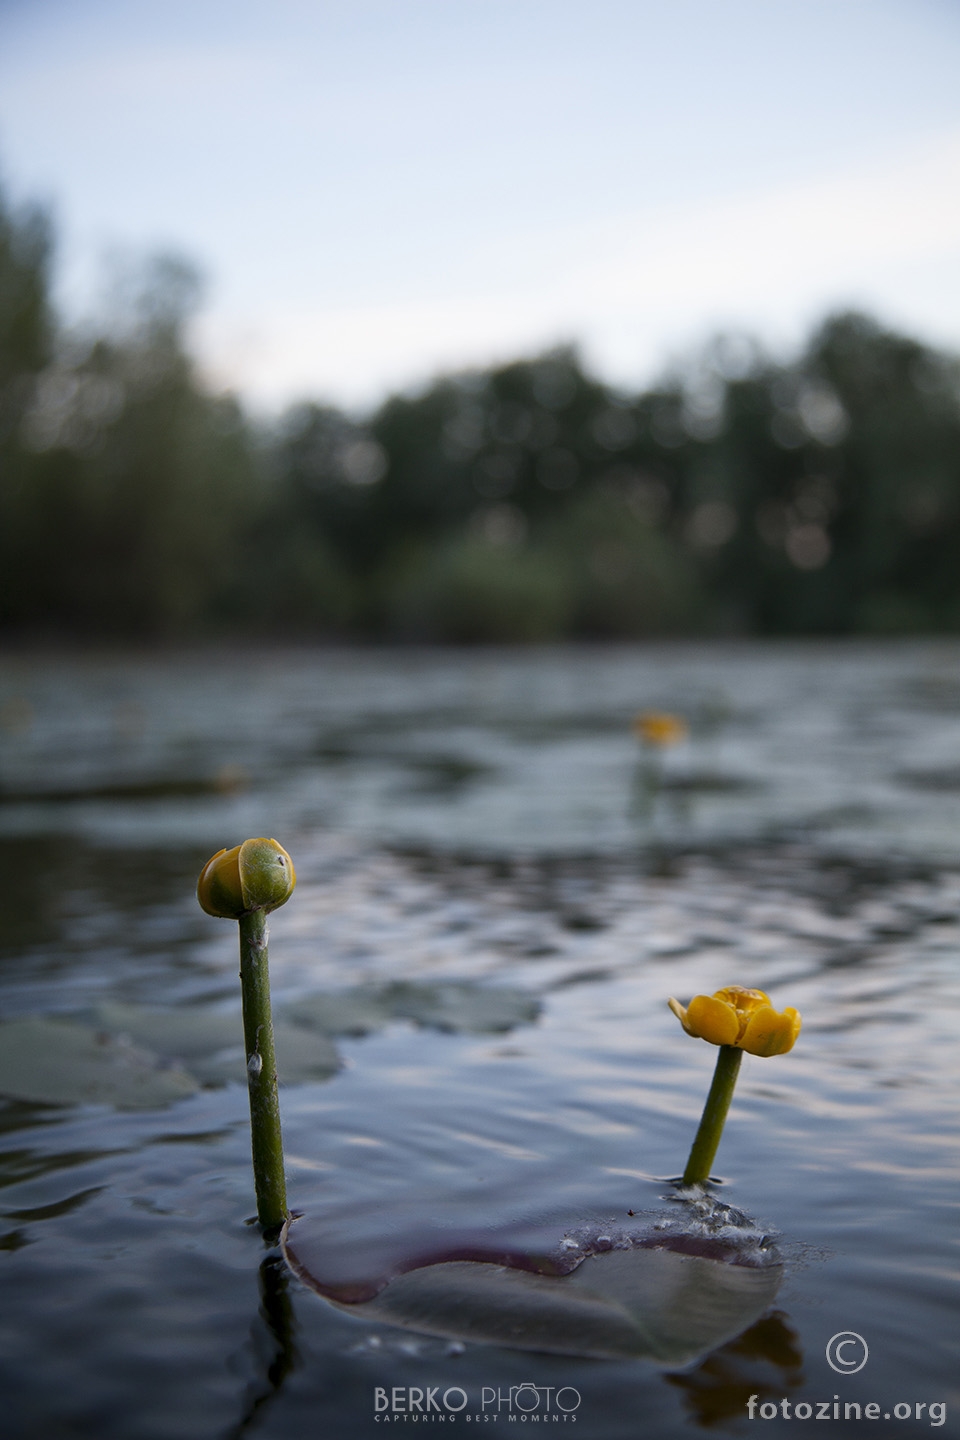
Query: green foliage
point(471, 590)
point(135, 485)
point(25, 320)
point(526, 502)
point(628, 579)
point(26, 339)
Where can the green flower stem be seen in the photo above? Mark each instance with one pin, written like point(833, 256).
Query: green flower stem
point(704, 1149)
point(261, 1072)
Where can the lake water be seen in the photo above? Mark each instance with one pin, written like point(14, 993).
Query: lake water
point(499, 887)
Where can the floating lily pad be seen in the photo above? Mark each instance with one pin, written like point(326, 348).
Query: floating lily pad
point(57, 1062)
point(446, 1005)
point(343, 1012)
point(647, 1298)
point(210, 1042)
point(301, 1057)
point(189, 1033)
point(467, 1009)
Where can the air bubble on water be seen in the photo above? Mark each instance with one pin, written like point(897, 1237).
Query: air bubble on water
point(707, 1227)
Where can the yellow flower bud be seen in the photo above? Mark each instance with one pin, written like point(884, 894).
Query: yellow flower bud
point(257, 875)
point(742, 1018)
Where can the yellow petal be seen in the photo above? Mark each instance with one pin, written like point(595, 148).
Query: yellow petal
point(744, 1001)
point(712, 1020)
point(769, 1033)
point(680, 1013)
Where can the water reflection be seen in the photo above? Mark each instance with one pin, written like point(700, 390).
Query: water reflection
point(766, 1360)
point(271, 1348)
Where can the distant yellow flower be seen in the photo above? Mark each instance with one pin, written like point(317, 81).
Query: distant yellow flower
point(742, 1018)
point(658, 728)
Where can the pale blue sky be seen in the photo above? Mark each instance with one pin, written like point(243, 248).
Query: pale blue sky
point(381, 189)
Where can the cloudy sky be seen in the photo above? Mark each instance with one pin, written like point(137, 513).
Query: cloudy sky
point(377, 190)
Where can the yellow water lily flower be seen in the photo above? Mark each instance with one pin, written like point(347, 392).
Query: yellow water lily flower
point(257, 875)
point(660, 729)
point(742, 1018)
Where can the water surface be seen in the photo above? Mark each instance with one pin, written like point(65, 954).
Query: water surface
point(498, 890)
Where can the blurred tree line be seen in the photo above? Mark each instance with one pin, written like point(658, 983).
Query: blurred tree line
point(739, 495)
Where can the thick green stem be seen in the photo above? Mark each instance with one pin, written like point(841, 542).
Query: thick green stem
point(704, 1148)
point(261, 1072)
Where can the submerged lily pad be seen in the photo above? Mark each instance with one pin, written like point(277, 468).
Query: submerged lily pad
point(654, 1298)
point(57, 1062)
point(650, 1304)
point(446, 1005)
point(210, 1042)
